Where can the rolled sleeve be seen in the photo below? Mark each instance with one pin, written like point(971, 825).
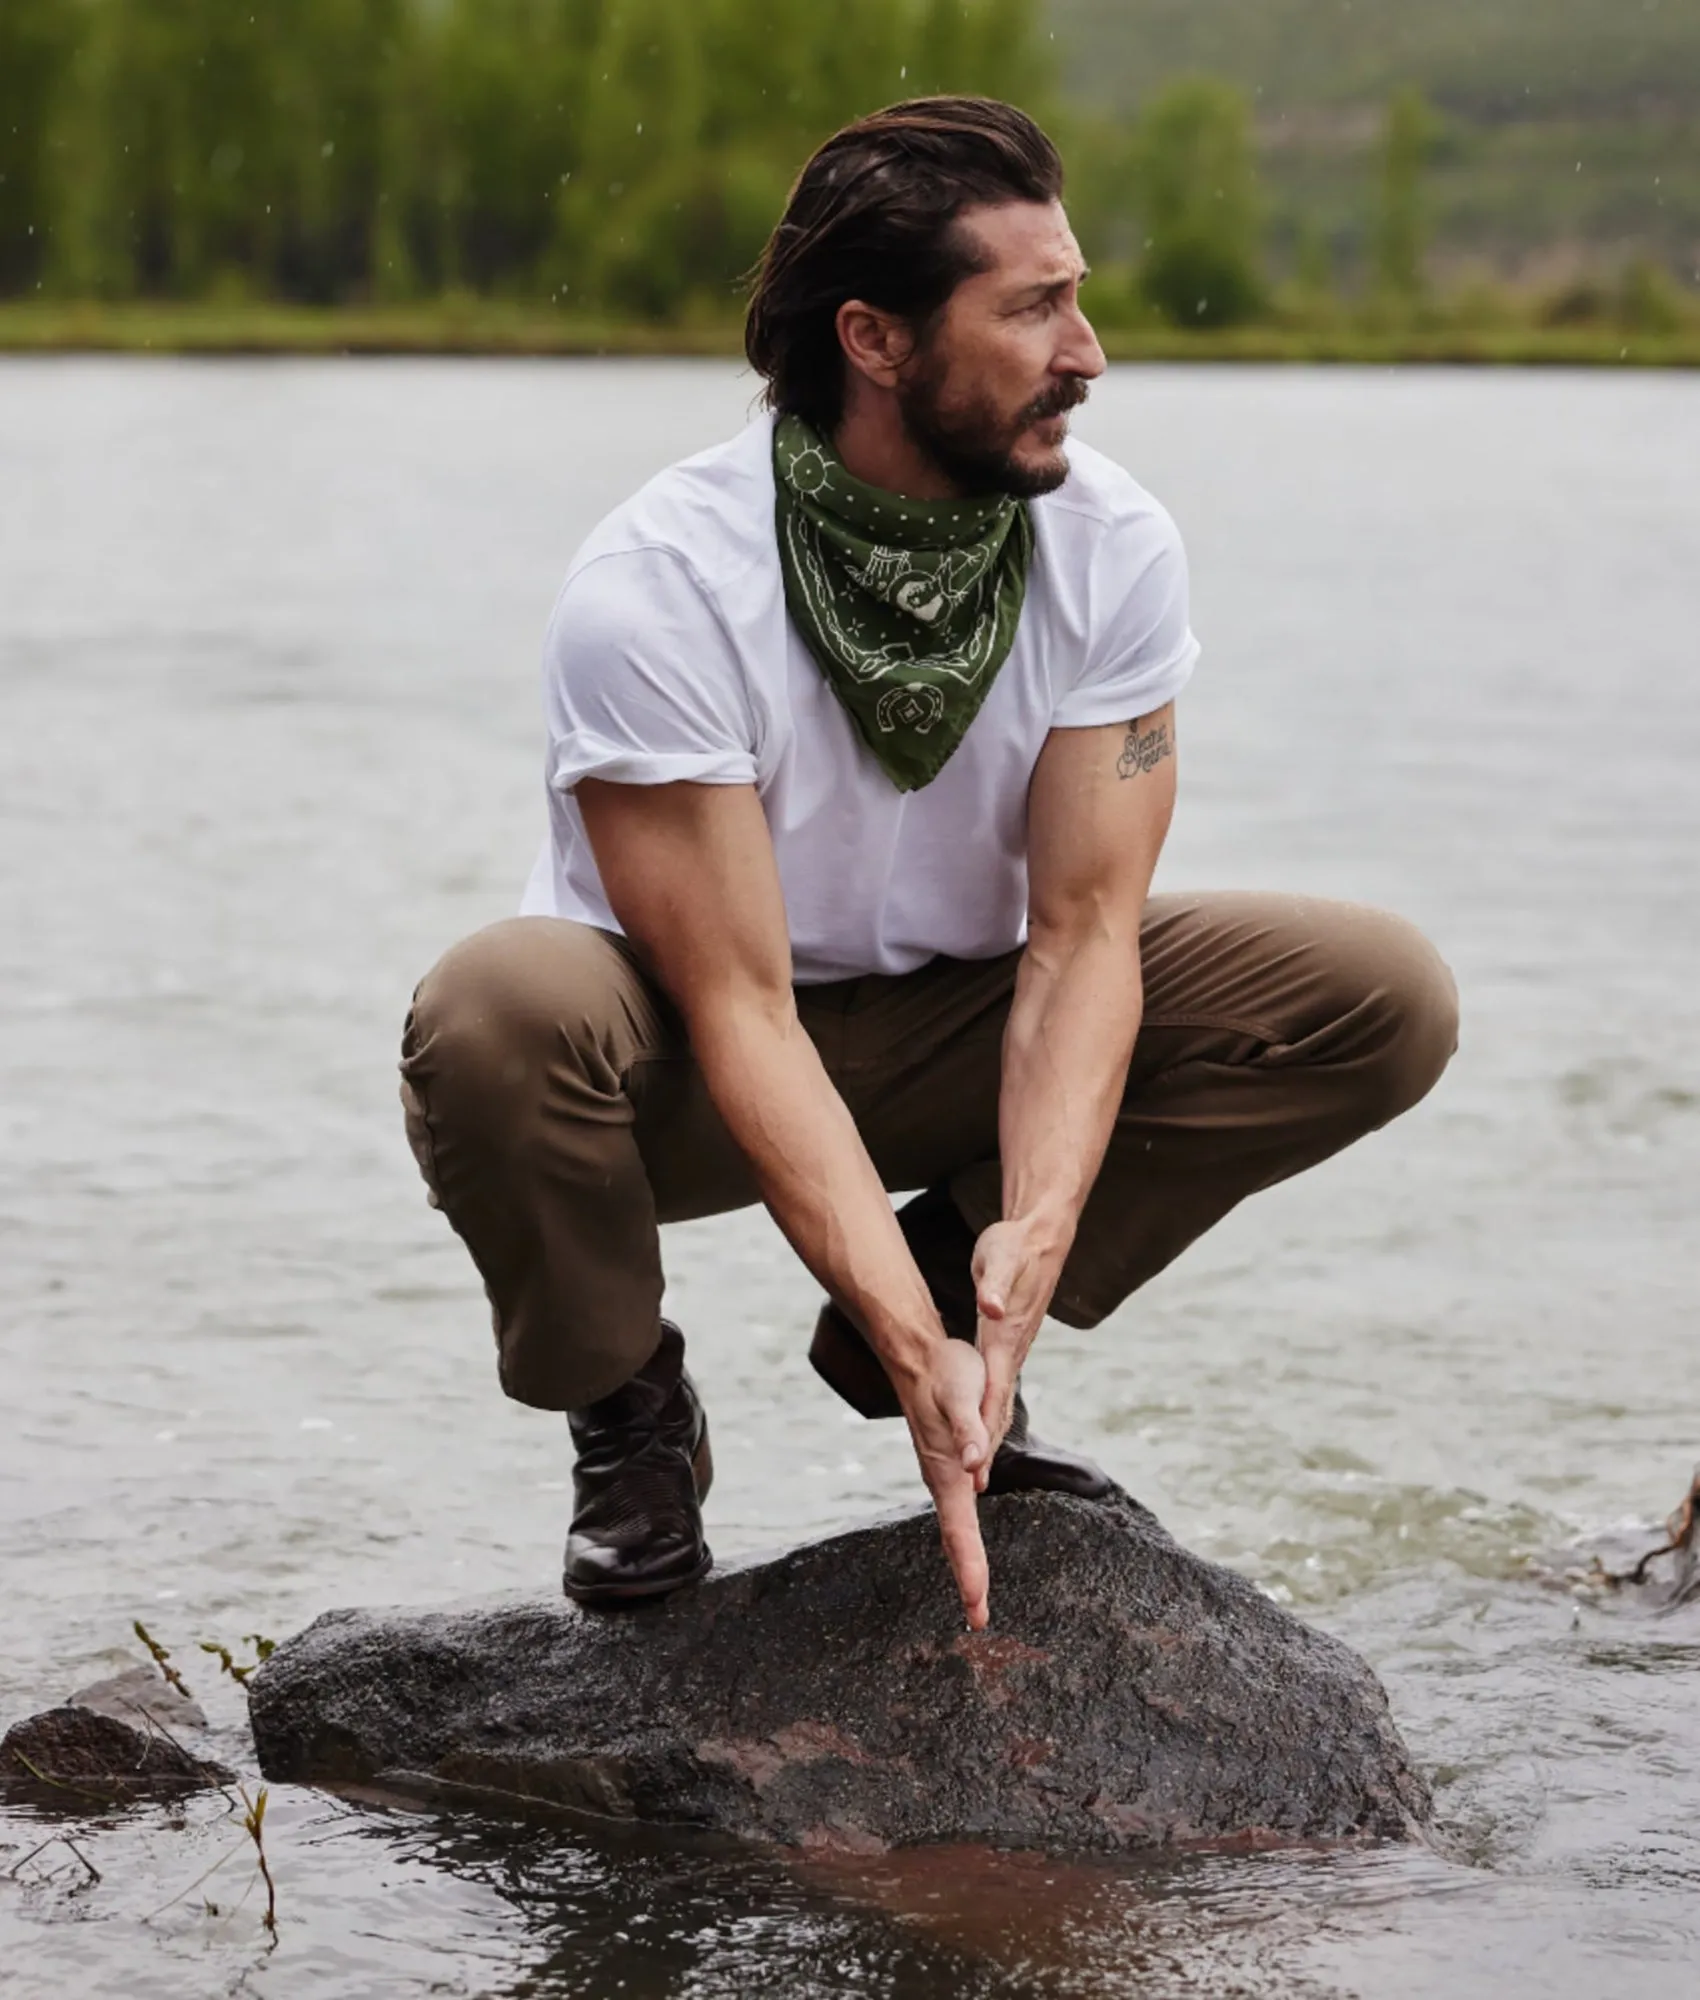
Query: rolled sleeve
point(586, 756)
point(641, 683)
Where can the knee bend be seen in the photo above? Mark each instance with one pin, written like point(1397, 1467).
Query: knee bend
point(499, 1007)
point(464, 1010)
point(1416, 1004)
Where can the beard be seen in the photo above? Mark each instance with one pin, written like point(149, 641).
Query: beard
point(973, 443)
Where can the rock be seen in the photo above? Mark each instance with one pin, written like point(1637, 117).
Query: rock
point(1128, 1695)
point(139, 1695)
point(81, 1755)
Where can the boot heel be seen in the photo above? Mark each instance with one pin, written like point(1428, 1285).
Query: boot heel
point(850, 1368)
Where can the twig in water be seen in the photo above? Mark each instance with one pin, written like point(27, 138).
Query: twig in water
point(1679, 1537)
point(60, 1784)
point(151, 1726)
point(94, 1872)
point(253, 1828)
point(161, 1659)
point(58, 1840)
point(254, 1825)
point(204, 1876)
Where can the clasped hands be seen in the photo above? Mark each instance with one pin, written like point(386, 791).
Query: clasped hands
point(958, 1403)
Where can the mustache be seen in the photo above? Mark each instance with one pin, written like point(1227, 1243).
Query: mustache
point(1068, 395)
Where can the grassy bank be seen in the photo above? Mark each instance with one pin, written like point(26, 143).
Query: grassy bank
point(481, 326)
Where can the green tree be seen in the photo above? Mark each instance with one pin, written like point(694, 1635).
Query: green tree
point(990, 48)
point(1198, 195)
point(232, 148)
point(37, 41)
point(642, 224)
point(1400, 231)
point(1647, 299)
point(625, 155)
point(122, 219)
point(703, 110)
point(1313, 262)
point(514, 87)
point(343, 100)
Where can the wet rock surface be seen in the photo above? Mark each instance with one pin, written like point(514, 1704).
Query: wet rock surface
point(109, 1745)
point(1128, 1695)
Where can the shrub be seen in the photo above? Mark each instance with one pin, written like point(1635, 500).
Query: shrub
point(1198, 195)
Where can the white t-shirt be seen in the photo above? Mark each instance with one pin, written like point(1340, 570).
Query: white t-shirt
point(670, 655)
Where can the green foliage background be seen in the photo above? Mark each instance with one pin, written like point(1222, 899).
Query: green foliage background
point(624, 159)
point(1567, 131)
point(625, 156)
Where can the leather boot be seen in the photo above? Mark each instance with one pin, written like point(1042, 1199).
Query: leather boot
point(943, 1248)
point(642, 1474)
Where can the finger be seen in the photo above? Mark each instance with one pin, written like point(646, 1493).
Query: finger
point(999, 1397)
point(996, 1419)
point(969, 1435)
point(995, 1270)
point(991, 1293)
point(959, 1529)
point(959, 1402)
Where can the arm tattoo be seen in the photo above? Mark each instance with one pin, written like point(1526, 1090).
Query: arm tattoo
point(1143, 753)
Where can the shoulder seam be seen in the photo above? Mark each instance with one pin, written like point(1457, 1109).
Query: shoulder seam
point(678, 555)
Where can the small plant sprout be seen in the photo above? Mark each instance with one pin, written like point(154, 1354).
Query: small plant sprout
point(161, 1659)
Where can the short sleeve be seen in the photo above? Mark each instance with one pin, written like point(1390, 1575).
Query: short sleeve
point(1140, 649)
point(641, 682)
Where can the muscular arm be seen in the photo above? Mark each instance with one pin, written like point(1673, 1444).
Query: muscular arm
point(689, 871)
point(1098, 811)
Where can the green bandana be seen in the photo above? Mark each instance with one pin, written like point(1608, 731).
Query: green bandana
point(909, 606)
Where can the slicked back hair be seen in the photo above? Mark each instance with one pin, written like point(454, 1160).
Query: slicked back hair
point(873, 216)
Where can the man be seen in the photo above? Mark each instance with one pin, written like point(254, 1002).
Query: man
point(861, 752)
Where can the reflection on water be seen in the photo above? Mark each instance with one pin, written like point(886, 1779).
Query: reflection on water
point(268, 741)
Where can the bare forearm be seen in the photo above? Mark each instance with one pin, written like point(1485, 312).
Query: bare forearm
point(1066, 1049)
point(689, 870)
point(779, 1104)
point(1100, 808)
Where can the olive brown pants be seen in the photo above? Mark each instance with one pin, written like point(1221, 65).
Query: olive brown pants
point(558, 1117)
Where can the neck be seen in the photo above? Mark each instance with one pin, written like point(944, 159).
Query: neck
point(878, 450)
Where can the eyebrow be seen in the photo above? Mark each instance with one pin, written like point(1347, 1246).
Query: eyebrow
point(1048, 288)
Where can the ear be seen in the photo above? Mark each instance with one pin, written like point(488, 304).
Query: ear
point(875, 343)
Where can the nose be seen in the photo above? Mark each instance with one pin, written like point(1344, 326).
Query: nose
point(1079, 353)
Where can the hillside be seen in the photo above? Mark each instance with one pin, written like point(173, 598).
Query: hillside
point(1570, 128)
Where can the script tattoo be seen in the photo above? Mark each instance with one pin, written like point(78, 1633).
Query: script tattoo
point(1143, 753)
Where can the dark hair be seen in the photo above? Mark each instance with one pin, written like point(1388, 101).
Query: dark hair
point(873, 216)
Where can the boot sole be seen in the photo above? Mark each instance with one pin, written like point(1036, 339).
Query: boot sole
point(605, 1594)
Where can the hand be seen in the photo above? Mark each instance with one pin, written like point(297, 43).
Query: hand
point(942, 1404)
point(1016, 1267)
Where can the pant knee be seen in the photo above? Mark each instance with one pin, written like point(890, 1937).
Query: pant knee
point(519, 1020)
point(1413, 999)
point(511, 1000)
point(466, 1009)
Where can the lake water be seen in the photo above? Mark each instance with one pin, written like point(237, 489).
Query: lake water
point(269, 742)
